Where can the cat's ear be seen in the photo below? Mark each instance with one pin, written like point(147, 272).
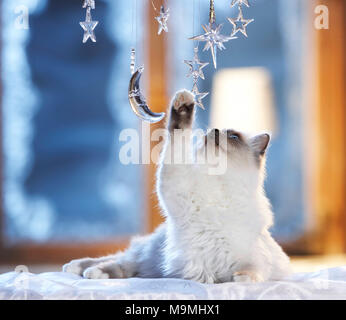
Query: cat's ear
point(260, 143)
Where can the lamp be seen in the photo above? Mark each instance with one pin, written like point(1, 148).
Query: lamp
point(242, 100)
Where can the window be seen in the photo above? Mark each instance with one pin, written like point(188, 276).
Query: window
point(64, 104)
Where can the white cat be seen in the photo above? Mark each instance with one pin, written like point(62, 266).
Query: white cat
point(217, 226)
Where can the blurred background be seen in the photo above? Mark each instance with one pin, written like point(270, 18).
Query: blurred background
point(64, 192)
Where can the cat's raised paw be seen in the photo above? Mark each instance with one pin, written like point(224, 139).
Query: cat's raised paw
point(182, 112)
point(183, 98)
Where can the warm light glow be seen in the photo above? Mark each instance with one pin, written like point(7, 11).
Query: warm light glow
point(243, 100)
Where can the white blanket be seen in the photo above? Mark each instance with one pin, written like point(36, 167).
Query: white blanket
point(324, 284)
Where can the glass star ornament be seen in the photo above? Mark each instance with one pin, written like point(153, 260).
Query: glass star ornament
point(88, 26)
point(239, 23)
point(214, 39)
point(199, 96)
point(196, 66)
point(162, 20)
point(89, 3)
point(240, 2)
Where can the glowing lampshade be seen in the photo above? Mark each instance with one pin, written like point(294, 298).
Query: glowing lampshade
point(242, 99)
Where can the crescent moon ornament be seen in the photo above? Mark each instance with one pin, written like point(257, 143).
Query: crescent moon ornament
point(137, 100)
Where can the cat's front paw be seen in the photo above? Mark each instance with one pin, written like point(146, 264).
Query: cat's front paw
point(95, 273)
point(247, 276)
point(78, 266)
point(182, 110)
point(109, 270)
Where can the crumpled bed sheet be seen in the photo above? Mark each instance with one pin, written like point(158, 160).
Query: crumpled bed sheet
point(324, 284)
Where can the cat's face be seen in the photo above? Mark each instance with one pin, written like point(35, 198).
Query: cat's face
point(235, 151)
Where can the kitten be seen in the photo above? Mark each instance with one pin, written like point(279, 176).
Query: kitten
point(217, 226)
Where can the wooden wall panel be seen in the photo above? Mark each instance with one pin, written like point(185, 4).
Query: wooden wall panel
point(2, 217)
point(330, 134)
point(156, 51)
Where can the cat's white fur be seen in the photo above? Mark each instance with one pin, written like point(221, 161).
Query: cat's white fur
point(216, 227)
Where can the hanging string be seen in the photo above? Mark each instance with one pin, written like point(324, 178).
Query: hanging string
point(132, 19)
point(152, 2)
point(199, 12)
point(136, 15)
point(193, 21)
point(212, 12)
point(196, 42)
point(134, 36)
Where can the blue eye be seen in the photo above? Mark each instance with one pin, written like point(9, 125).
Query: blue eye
point(233, 136)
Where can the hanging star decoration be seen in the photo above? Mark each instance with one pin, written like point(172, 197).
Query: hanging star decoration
point(89, 3)
point(88, 26)
point(195, 73)
point(239, 23)
point(214, 40)
point(212, 36)
point(199, 96)
point(240, 2)
point(162, 20)
point(196, 66)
